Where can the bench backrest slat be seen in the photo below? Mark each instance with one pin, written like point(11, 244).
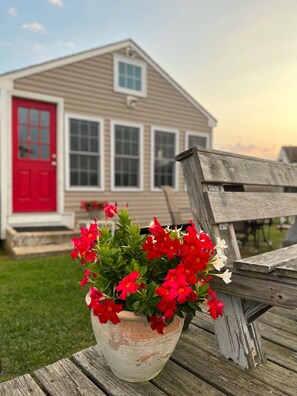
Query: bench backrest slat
point(229, 207)
point(225, 188)
point(221, 167)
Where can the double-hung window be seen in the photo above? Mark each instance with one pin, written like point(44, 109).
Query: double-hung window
point(85, 161)
point(164, 150)
point(129, 76)
point(126, 156)
point(197, 139)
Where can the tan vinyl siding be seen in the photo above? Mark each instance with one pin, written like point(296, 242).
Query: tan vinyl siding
point(87, 90)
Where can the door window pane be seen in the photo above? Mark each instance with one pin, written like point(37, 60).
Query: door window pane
point(23, 115)
point(45, 117)
point(23, 132)
point(44, 152)
point(34, 130)
point(45, 135)
point(23, 150)
point(34, 134)
point(34, 151)
point(34, 117)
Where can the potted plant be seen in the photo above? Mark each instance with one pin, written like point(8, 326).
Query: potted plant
point(95, 208)
point(141, 286)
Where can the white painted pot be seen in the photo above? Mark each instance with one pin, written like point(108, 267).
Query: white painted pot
point(133, 351)
point(99, 214)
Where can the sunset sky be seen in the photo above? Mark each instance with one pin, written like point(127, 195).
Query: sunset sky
point(237, 58)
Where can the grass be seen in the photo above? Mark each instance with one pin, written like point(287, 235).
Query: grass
point(275, 236)
point(43, 315)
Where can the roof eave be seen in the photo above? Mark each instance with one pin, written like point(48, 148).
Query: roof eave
point(42, 67)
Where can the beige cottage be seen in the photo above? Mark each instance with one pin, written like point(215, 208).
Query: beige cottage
point(101, 124)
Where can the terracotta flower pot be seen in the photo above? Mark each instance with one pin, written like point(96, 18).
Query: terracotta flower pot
point(133, 351)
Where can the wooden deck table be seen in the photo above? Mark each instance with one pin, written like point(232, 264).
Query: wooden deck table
point(195, 368)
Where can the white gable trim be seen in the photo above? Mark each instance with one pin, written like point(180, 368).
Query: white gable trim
point(52, 64)
point(212, 122)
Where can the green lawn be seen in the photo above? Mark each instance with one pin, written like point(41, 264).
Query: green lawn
point(275, 236)
point(43, 315)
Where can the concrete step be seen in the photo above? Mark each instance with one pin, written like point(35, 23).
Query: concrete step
point(37, 238)
point(26, 252)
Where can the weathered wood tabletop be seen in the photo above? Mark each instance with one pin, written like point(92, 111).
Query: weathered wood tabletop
point(196, 368)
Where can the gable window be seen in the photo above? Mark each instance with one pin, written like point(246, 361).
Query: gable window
point(126, 156)
point(129, 76)
point(164, 150)
point(85, 164)
point(197, 139)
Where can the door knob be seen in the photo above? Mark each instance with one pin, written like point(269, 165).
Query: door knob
point(54, 163)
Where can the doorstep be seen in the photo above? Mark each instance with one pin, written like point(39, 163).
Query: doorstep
point(26, 252)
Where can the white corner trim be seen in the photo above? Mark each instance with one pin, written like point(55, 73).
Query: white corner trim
point(6, 82)
point(113, 123)
point(4, 160)
point(84, 117)
point(135, 62)
point(169, 130)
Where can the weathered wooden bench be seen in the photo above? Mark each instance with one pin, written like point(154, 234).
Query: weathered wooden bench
point(258, 282)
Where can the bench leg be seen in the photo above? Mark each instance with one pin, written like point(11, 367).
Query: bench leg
point(238, 340)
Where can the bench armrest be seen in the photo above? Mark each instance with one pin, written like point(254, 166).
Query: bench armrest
point(282, 262)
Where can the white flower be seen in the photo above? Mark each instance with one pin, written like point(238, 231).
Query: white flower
point(219, 261)
point(226, 276)
point(221, 244)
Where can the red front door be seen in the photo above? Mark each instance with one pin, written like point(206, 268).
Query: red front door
point(34, 156)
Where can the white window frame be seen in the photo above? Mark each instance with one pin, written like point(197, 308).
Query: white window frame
point(69, 116)
point(113, 123)
point(200, 134)
point(153, 132)
point(134, 62)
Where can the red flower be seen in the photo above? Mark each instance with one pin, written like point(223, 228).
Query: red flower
point(161, 243)
point(128, 285)
point(148, 246)
point(111, 210)
point(215, 306)
point(168, 307)
point(83, 246)
point(107, 310)
point(95, 296)
point(183, 292)
point(156, 229)
point(166, 290)
point(193, 295)
point(157, 323)
point(85, 279)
